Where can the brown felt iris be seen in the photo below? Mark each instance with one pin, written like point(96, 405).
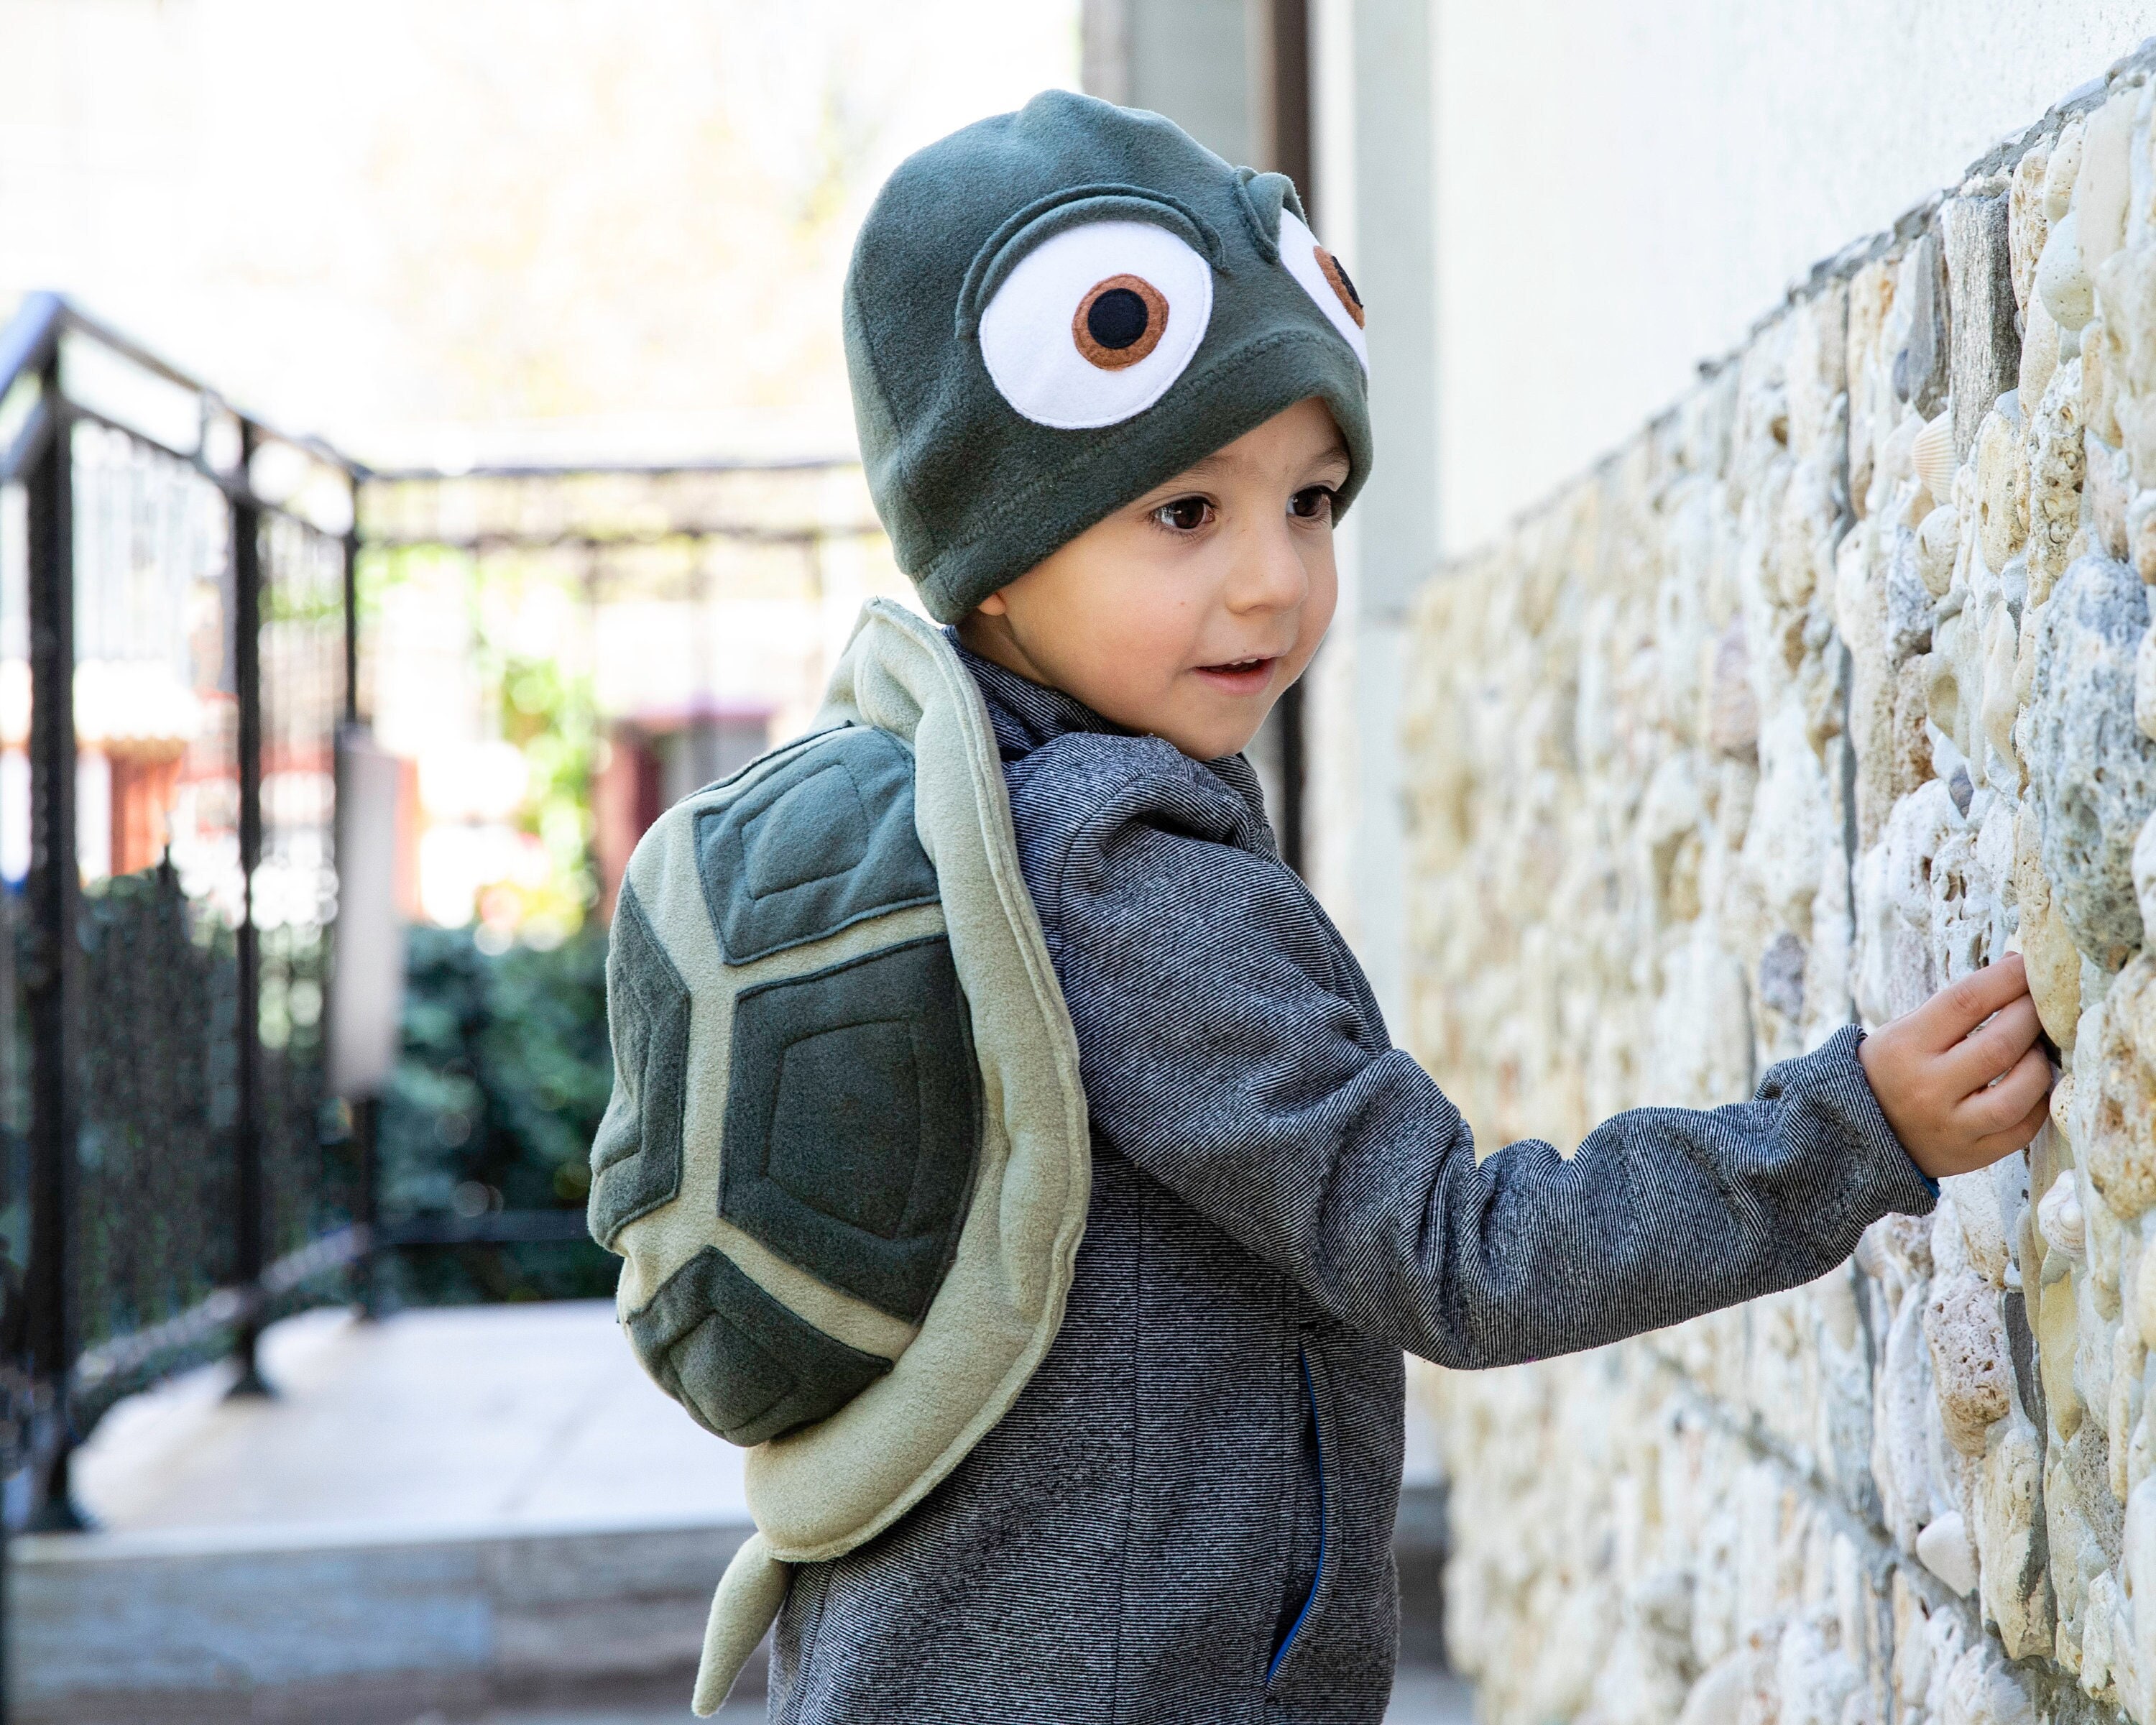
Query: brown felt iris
point(1119, 321)
point(1341, 284)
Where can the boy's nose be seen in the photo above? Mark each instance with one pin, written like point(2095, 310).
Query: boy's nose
point(1269, 572)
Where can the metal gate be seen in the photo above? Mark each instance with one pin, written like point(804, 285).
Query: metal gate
point(175, 656)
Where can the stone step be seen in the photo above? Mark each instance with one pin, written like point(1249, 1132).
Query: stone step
point(353, 1626)
point(445, 1511)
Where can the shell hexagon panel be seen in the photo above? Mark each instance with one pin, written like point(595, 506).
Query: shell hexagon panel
point(1835, 683)
point(786, 1171)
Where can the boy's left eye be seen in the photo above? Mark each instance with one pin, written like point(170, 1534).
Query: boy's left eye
point(1185, 515)
point(1311, 503)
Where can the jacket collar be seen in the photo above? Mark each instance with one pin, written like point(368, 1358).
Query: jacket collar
point(1028, 715)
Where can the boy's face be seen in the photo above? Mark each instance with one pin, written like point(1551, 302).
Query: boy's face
point(1186, 614)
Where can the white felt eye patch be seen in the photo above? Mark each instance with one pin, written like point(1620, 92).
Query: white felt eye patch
point(1324, 280)
point(1093, 325)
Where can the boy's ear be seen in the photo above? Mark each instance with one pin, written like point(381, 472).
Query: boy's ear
point(992, 606)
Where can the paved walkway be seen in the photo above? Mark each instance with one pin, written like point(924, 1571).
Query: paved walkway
point(433, 1422)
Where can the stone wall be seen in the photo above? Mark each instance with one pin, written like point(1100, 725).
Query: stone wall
point(1831, 686)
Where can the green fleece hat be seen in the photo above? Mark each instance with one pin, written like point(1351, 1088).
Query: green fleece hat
point(1051, 313)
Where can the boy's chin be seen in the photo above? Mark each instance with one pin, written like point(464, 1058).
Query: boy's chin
point(1212, 742)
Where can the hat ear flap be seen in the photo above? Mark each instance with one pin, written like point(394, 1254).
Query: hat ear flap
point(1265, 196)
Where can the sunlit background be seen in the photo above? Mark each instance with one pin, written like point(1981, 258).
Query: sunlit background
point(477, 235)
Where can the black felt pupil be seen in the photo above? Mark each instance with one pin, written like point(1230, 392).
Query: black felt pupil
point(1117, 319)
point(1346, 281)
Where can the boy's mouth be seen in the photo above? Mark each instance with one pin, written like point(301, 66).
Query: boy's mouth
point(1238, 676)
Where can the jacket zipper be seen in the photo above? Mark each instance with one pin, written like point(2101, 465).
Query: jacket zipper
point(1317, 1432)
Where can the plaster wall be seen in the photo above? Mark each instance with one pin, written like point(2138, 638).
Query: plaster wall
point(1623, 189)
point(1832, 684)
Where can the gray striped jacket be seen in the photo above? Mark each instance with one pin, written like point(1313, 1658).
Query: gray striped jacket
point(1186, 1515)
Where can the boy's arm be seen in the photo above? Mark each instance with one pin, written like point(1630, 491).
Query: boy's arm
point(1231, 1048)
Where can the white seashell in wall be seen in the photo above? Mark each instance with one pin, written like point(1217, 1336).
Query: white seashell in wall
point(1931, 455)
point(2063, 281)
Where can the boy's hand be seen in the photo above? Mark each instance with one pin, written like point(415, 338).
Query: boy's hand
point(1933, 1071)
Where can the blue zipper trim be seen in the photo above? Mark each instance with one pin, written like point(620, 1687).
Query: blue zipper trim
point(1318, 1431)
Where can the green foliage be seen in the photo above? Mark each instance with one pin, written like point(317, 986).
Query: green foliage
point(547, 712)
point(505, 1071)
point(552, 717)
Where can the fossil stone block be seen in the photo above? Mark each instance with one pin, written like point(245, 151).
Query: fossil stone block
point(1920, 367)
point(2091, 770)
point(2120, 1150)
point(1985, 341)
point(1733, 708)
point(2047, 945)
point(2027, 223)
point(1968, 1343)
point(2049, 494)
point(2100, 188)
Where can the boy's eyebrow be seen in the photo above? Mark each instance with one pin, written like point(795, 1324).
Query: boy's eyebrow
point(1336, 451)
point(1205, 463)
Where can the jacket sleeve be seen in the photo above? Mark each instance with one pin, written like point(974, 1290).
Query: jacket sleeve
point(1230, 1047)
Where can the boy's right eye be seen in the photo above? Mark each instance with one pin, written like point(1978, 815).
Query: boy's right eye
point(1185, 515)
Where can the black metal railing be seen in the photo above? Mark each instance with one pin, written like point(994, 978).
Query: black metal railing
point(180, 651)
point(174, 630)
point(181, 662)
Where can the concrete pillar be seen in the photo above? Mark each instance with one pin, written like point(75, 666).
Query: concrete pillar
point(1189, 59)
point(1376, 202)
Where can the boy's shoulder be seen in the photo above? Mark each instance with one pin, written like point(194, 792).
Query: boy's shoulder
point(1081, 788)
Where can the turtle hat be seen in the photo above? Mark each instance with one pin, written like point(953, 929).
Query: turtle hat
point(1051, 313)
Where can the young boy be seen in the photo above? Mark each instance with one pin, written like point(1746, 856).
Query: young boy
point(1113, 462)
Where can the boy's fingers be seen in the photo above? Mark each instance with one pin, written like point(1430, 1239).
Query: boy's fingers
point(1993, 1048)
point(2012, 1099)
point(1959, 1008)
point(1993, 1145)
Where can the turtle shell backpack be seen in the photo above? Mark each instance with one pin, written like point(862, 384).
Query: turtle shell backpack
point(846, 1160)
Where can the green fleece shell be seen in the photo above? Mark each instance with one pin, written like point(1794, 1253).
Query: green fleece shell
point(846, 1158)
point(1003, 409)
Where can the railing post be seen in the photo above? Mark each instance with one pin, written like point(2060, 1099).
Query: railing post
point(366, 1267)
point(53, 978)
point(366, 1111)
point(350, 547)
point(247, 666)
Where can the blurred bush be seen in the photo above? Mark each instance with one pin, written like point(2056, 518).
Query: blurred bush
point(505, 1071)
